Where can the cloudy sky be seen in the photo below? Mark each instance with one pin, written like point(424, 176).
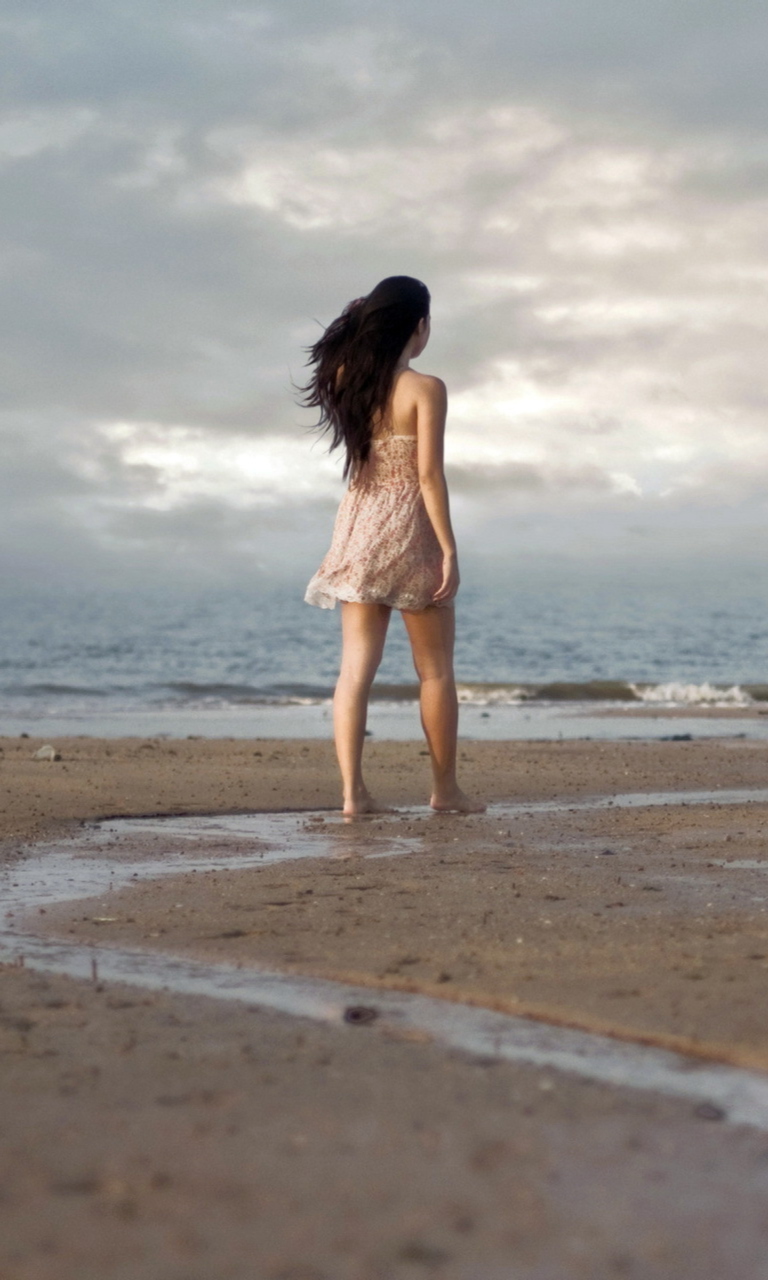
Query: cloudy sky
point(190, 187)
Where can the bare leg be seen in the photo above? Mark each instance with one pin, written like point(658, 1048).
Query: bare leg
point(364, 630)
point(431, 633)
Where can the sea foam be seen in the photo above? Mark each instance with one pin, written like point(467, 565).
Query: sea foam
point(675, 693)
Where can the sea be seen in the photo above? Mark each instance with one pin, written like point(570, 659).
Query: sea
point(548, 652)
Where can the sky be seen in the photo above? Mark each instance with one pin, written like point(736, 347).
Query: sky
point(191, 190)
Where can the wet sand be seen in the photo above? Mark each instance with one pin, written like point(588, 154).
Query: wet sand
point(200, 1138)
point(642, 924)
point(183, 1139)
point(99, 778)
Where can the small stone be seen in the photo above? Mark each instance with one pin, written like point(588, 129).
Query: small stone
point(360, 1014)
point(47, 753)
point(708, 1111)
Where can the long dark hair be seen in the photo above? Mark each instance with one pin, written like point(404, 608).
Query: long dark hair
point(355, 362)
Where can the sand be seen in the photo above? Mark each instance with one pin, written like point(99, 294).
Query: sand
point(165, 1136)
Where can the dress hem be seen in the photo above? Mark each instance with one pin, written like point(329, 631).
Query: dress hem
point(324, 600)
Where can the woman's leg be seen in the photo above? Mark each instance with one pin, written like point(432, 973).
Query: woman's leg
point(363, 630)
point(431, 633)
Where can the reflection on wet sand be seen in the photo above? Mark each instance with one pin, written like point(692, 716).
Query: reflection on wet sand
point(103, 858)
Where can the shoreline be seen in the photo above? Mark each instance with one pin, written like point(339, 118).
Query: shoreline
point(399, 722)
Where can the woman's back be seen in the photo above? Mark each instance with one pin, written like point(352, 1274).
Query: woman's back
point(399, 417)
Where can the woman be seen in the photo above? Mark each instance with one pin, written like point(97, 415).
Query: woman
point(393, 546)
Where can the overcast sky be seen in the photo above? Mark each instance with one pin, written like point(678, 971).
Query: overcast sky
point(190, 188)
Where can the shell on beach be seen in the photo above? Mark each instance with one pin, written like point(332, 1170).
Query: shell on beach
point(47, 752)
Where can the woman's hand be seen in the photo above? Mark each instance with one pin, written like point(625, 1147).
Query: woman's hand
point(450, 583)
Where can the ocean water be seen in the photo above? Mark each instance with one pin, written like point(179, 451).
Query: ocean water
point(209, 658)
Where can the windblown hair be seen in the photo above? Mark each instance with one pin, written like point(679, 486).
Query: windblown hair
point(355, 359)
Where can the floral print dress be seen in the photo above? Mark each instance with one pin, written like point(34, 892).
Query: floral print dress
point(384, 549)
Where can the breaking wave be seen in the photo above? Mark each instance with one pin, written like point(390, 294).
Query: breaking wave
point(220, 695)
point(677, 694)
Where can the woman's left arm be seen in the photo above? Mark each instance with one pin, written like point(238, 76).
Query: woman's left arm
point(431, 411)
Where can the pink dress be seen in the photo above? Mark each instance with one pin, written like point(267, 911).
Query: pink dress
point(384, 549)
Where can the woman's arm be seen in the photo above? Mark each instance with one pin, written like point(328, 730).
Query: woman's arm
point(431, 409)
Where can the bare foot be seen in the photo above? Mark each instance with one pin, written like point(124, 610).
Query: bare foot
point(456, 801)
point(360, 804)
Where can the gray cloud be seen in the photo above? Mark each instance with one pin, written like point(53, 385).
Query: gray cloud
point(513, 479)
point(187, 189)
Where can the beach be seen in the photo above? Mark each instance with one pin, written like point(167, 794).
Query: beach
point(588, 897)
point(244, 1036)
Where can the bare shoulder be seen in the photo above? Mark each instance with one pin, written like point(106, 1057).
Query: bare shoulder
point(423, 386)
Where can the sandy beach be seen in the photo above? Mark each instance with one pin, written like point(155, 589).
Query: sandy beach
point(153, 1134)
